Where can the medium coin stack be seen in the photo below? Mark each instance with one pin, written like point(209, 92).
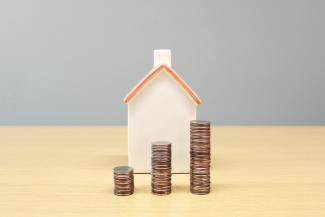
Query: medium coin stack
point(200, 157)
point(161, 171)
point(123, 181)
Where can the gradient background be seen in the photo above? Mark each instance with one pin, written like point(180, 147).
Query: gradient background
point(71, 62)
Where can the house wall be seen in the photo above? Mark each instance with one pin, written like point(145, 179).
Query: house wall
point(162, 111)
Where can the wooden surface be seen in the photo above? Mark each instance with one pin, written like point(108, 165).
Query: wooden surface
point(66, 171)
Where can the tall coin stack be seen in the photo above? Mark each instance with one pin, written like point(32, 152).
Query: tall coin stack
point(200, 157)
point(161, 171)
point(123, 181)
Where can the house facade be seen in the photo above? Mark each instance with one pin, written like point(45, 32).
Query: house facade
point(160, 107)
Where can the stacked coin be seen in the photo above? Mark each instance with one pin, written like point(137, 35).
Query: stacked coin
point(161, 168)
point(200, 157)
point(123, 181)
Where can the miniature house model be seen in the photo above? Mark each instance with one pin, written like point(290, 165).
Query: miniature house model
point(160, 107)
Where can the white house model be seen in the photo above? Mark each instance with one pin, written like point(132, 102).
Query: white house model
point(160, 107)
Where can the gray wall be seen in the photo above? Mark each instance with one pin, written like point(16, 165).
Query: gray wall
point(73, 61)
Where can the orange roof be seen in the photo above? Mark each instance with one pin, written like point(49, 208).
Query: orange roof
point(152, 74)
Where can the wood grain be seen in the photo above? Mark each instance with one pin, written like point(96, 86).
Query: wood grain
point(67, 171)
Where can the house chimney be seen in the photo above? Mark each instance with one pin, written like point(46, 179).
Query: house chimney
point(162, 56)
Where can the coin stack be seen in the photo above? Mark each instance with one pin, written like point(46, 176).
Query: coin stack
point(161, 172)
point(200, 157)
point(123, 181)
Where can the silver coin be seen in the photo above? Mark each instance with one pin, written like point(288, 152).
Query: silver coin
point(123, 169)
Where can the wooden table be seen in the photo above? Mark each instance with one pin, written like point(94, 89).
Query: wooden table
point(67, 171)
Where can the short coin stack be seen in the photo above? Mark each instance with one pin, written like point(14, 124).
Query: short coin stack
point(161, 168)
point(200, 157)
point(123, 181)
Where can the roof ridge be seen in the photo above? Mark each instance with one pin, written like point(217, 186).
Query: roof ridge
point(151, 74)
